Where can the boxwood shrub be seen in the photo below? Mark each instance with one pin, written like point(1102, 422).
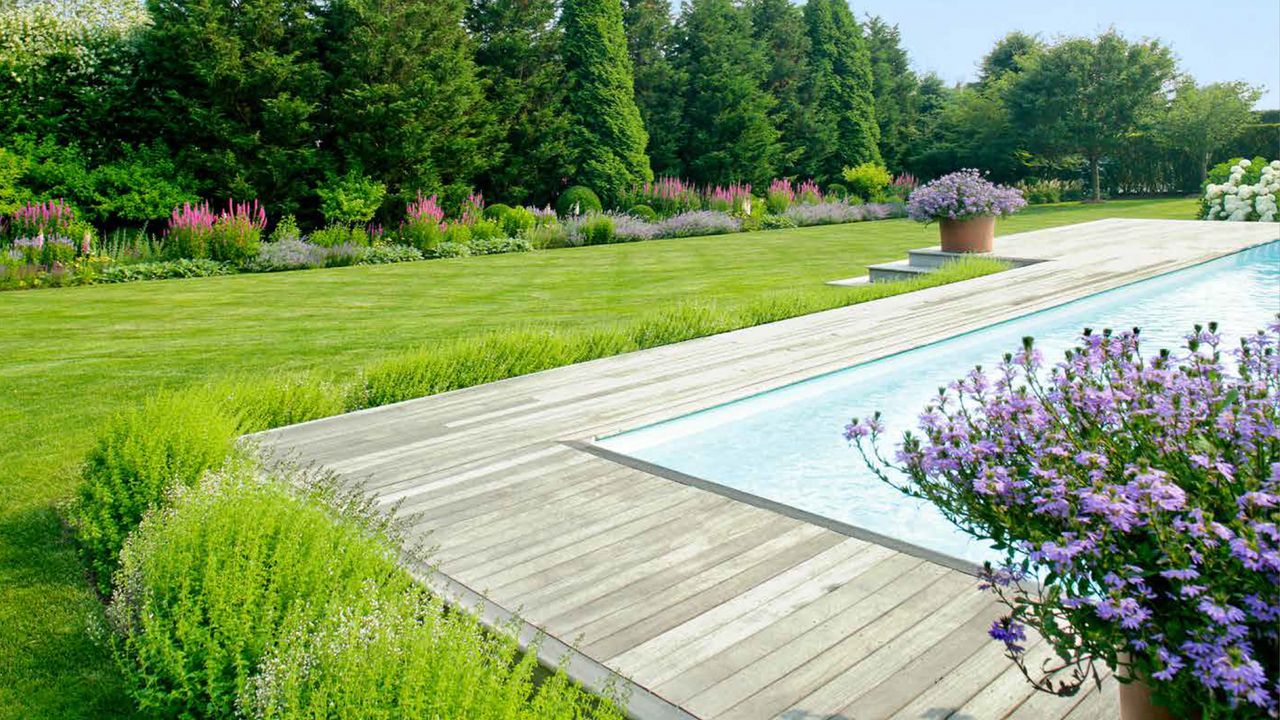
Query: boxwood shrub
point(577, 200)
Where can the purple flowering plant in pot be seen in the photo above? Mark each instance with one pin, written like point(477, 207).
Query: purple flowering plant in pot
point(1134, 504)
point(966, 206)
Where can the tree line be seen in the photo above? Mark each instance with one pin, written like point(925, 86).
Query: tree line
point(279, 99)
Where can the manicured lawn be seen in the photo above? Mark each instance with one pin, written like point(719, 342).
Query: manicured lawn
point(71, 356)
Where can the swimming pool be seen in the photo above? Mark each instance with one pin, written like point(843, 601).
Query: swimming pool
point(785, 445)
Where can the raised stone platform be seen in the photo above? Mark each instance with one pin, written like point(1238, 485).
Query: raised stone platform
point(920, 262)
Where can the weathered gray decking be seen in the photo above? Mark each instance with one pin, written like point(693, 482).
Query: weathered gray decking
point(714, 607)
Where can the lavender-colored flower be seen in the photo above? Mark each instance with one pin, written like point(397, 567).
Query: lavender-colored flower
point(698, 222)
point(1141, 494)
point(962, 195)
point(831, 212)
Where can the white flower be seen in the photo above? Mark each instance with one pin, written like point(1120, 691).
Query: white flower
point(1275, 165)
point(1244, 163)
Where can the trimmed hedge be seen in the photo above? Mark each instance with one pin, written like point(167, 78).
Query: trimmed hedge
point(577, 200)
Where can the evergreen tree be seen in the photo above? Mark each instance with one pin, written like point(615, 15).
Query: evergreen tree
point(238, 86)
point(518, 53)
point(779, 29)
point(840, 70)
point(658, 87)
point(894, 87)
point(405, 100)
point(729, 136)
point(607, 138)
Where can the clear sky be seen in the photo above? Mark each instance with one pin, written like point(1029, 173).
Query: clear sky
point(1215, 41)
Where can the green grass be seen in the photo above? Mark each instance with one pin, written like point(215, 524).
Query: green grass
point(72, 356)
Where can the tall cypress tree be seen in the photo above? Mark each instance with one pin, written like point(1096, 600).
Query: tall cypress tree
point(729, 135)
point(607, 138)
point(238, 86)
point(659, 87)
point(840, 70)
point(779, 29)
point(405, 103)
point(517, 48)
point(894, 87)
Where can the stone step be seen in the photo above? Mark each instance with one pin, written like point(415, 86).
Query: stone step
point(900, 270)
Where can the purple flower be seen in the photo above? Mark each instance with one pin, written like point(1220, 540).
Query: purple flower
point(962, 195)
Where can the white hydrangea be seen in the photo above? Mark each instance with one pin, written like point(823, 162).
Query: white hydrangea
point(1237, 201)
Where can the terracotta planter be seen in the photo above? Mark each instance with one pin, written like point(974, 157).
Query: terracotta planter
point(1135, 703)
point(975, 235)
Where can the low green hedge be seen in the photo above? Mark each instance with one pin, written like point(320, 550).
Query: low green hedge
point(247, 597)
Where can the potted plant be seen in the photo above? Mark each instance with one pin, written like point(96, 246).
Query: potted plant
point(966, 206)
point(1135, 506)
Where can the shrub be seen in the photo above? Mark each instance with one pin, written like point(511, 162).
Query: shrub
point(777, 222)
point(237, 233)
point(630, 229)
point(173, 438)
point(498, 246)
point(496, 212)
point(546, 236)
point(457, 234)
point(701, 222)
point(263, 403)
point(643, 212)
point(299, 254)
point(831, 213)
point(389, 254)
point(485, 230)
point(517, 221)
point(164, 270)
point(423, 226)
point(577, 200)
point(867, 180)
point(286, 229)
point(1241, 198)
point(351, 199)
point(450, 249)
point(247, 596)
point(837, 191)
point(338, 236)
point(230, 568)
point(595, 229)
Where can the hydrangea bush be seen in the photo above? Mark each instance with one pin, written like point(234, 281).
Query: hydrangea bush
point(1135, 502)
point(962, 195)
point(1238, 199)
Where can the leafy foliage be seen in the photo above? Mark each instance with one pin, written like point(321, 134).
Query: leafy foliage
point(843, 88)
point(143, 452)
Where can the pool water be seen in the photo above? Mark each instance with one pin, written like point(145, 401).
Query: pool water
point(786, 445)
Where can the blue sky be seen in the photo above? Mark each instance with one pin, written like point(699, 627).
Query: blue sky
point(1214, 41)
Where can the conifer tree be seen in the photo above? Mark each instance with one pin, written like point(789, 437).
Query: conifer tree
point(779, 29)
point(894, 88)
point(729, 136)
point(658, 86)
point(405, 104)
point(840, 70)
point(606, 138)
point(517, 50)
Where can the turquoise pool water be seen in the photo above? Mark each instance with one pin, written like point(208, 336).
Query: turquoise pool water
point(786, 445)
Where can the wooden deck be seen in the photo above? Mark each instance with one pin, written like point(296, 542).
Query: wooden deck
point(713, 607)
